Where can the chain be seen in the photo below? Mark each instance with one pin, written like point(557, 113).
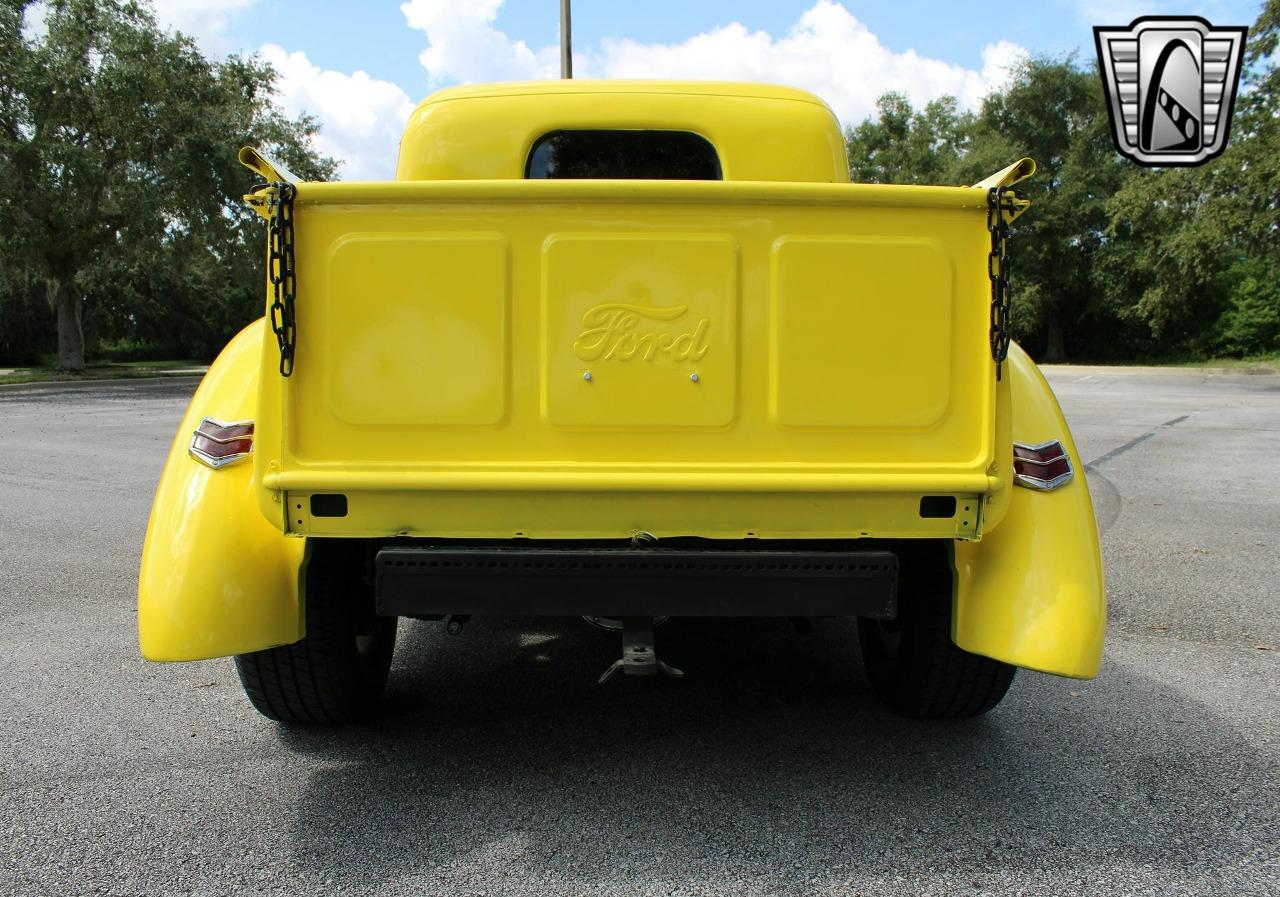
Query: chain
point(999, 201)
point(280, 270)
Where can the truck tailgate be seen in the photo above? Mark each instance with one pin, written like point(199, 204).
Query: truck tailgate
point(632, 338)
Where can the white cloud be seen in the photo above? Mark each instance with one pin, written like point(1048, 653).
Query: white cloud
point(828, 51)
point(204, 20)
point(361, 117)
point(463, 45)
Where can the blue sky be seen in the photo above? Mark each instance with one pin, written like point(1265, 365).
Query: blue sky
point(360, 67)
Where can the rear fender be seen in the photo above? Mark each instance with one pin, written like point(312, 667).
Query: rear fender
point(1031, 593)
point(216, 577)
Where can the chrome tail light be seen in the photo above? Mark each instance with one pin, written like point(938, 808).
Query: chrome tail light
point(219, 444)
point(1043, 467)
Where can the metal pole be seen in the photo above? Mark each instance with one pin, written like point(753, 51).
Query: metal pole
point(566, 41)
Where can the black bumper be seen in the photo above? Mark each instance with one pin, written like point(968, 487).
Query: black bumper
point(432, 581)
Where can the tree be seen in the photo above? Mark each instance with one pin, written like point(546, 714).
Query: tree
point(903, 146)
point(1054, 112)
point(117, 146)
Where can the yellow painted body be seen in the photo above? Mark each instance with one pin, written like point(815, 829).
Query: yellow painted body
point(484, 132)
point(1031, 593)
point(216, 577)
point(699, 358)
point(777, 355)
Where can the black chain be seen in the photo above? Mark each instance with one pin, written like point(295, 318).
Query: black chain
point(999, 201)
point(280, 270)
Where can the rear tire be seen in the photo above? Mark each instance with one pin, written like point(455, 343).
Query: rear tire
point(913, 665)
point(337, 672)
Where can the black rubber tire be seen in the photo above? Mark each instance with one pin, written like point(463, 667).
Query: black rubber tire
point(913, 665)
point(337, 672)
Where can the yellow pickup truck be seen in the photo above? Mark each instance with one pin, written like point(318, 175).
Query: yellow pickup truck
point(627, 351)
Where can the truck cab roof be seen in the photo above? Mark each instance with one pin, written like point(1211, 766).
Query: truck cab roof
point(760, 132)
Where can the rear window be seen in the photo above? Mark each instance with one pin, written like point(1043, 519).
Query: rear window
point(635, 155)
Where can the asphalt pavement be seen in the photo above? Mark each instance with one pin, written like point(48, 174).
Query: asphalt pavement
point(499, 767)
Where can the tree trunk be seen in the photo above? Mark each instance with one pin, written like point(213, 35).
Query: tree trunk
point(1055, 349)
point(66, 303)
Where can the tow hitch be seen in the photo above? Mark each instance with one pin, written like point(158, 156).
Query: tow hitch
point(638, 655)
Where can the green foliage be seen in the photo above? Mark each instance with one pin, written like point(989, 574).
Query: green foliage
point(1050, 113)
point(119, 188)
point(1250, 324)
point(902, 146)
point(1114, 261)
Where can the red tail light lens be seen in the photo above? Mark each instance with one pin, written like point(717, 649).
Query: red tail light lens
point(218, 444)
point(1044, 467)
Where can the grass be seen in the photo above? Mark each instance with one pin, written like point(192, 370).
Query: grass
point(1250, 364)
point(124, 370)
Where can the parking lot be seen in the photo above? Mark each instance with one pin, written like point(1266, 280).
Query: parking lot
point(500, 767)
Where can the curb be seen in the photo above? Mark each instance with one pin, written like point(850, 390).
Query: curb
point(116, 382)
